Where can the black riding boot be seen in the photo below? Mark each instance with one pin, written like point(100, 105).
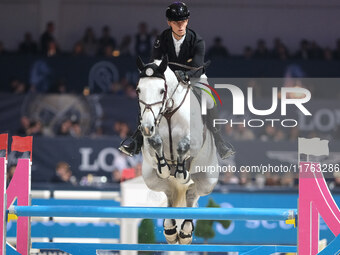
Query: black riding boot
point(222, 148)
point(134, 147)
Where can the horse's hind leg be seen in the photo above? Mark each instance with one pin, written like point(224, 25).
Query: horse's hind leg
point(163, 169)
point(187, 227)
point(170, 228)
point(181, 173)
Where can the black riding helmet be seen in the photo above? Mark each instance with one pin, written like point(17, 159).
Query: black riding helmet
point(177, 11)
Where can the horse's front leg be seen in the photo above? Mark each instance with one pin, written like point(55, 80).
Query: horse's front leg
point(181, 173)
point(163, 169)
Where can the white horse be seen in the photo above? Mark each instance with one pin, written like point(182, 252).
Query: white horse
point(176, 143)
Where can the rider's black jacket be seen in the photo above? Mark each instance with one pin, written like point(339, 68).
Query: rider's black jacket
point(191, 53)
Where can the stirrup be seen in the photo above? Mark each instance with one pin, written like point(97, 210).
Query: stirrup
point(123, 148)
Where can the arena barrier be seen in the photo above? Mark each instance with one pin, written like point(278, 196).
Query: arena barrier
point(314, 199)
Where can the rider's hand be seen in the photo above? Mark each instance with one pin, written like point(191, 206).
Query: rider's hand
point(182, 76)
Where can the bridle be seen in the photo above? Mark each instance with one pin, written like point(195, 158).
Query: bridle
point(149, 106)
point(165, 111)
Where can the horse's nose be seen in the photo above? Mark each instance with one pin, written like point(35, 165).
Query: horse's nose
point(147, 130)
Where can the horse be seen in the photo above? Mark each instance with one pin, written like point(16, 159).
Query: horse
point(175, 143)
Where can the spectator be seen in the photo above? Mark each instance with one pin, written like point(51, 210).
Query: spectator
point(303, 52)
point(18, 87)
point(28, 46)
point(116, 176)
point(218, 50)
point(336, 52)
point(10, 173)
point(35, 128)
point(3, 51)
point(280, 50)
point(70, 127)
point(143, 42)
point(122, 129)
point(52, 49)
point(327, 54)
point(24, 125)
point(244, 134)
point(125, 45)
point(78, 49)
point(315, 51)
point(47, 37)
point(269, 133)
point(65, 128)
point(106, 41)
point(261, 51)
point(90, 42)
point(248, 52)
point(108, 51)
point(63, 174)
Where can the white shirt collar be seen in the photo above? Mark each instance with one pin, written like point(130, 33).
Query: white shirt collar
point(177, 43)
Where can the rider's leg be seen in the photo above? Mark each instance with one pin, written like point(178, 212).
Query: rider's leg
point(222, 148)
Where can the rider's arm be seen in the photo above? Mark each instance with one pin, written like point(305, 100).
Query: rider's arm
point(197, 60)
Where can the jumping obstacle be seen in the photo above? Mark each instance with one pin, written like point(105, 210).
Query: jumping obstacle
point(314, 199)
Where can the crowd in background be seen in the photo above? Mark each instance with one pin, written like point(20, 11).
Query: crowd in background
point(107, 46)
point(141, 44)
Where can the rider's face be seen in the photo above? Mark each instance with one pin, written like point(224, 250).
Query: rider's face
point(179, 27)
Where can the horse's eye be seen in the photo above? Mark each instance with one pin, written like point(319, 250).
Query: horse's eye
point(162, 91)
point(137, 90)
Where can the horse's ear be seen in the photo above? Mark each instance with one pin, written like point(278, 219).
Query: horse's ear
point(140, 64)
point(164, 64)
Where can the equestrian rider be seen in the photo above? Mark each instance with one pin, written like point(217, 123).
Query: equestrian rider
point(183, 46)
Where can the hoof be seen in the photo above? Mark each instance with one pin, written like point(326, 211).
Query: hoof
point(185, 234)
point(170, 232)
point(182, 176)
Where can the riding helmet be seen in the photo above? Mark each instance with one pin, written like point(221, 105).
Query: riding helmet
point(177, 11)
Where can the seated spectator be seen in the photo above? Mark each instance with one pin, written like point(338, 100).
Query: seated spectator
point(106, 42)
point(78, 49)
point(35, 128)
point(315, 51)
point(52, 49)
point(10, 173)
point(108, 51)
point(46, 38)
point(244, 134)
point(327, 54)
point(18, 87)
point(121, 128)
point(116, 176)
point(90, 42)
point(336, 52)
point(3, 51)
point(143, 42)
point(218, 50)
point(28, 46)
point(269, 133)
point(124, 48)
point(25, 124)
point(70, 127)
point(280, 50)
point(261, 51)
point(303, 52)
point(63, 174)
point(248, 53)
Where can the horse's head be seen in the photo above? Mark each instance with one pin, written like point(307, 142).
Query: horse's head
point(152, 94)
